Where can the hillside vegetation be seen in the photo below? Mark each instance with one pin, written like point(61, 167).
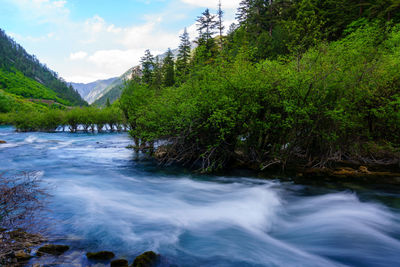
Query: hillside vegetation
point(306, 83)
point(22, 74)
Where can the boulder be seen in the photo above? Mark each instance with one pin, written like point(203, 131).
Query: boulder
point(52, 250)
point(100, 256)
point(119, 263)
point(147, 259)
point(22, 256)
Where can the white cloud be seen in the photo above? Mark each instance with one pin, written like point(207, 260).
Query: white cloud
point(43, 11)
point(93, 48)
point(226, 4)
point(78, 55)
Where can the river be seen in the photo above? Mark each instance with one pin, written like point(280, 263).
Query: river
point(106, 199)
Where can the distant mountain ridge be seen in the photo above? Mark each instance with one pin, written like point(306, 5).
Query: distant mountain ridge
point(94, 90)
point(114, 91)
point(99, 95)
point(23, 75)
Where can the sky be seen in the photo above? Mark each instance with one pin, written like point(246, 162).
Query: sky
point(87, 40)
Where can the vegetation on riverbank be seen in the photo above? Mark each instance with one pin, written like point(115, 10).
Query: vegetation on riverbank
point(303, 82)
point(88, 119)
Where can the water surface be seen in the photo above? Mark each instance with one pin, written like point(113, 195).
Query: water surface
point(104, 199)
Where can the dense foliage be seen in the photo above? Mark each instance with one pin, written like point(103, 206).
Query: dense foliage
point(14, 82)
point(15, 63)
point(305, 81)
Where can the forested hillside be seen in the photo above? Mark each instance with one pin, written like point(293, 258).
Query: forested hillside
point(305, 82)
point(22, 74)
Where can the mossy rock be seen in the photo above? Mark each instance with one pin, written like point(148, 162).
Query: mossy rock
point(52, 250)
point(147, 259)
point(22, 256)
point(100, 256)
point(119, 263)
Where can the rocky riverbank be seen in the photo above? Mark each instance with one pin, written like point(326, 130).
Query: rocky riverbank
point(20, 248)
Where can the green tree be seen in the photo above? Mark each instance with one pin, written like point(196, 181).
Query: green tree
point(169, 69)
point(183, 58)
point(157, 74)
point(220, 25)
point(206, 26)
point(148, 65)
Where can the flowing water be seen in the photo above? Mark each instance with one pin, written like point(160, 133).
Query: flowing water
point(105, 199)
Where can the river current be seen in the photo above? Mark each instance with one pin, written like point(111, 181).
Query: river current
point(104, 198)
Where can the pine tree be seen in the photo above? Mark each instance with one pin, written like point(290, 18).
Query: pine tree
point(206, 25)
point(169, 69)
point(183, 58)
point(220, 27)
point(148, 65)
point(244, 11)
point(108, 104)
point(157, 74)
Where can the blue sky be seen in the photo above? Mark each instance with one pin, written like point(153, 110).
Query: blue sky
point(86, 40)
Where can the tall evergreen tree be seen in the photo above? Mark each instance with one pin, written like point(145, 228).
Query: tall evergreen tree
point(157, 74)
point(206, 25)
point(183, 58)
point(148, 65)
point(169, 69)
point(220, 26)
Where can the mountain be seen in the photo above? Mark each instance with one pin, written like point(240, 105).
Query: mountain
point(92, 91)
point(113, 91)
point(21, 74)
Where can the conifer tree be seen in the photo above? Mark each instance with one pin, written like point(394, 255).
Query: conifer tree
point(183, 58)
point(206, 25)
point(220, 27)
point(157, 74)
point(169, 69)
point(147, 62)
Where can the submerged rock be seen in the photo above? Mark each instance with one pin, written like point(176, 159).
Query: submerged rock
point(147, 259)
point(101, 255)
point(22, 256)
point(52, 250)
point(119, 263)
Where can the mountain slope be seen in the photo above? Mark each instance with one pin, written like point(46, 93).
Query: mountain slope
point(114, 90)
point(91, 91)
point(16, 62)
point(16, 83)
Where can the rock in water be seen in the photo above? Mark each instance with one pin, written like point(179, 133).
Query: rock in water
point(3, 142)
point(100, 256)
point(119, 263)
point(52, 250)
point(147, 259)
point(22, 256)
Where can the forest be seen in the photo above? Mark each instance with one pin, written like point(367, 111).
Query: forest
point(300, 82)
point(22, 74)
